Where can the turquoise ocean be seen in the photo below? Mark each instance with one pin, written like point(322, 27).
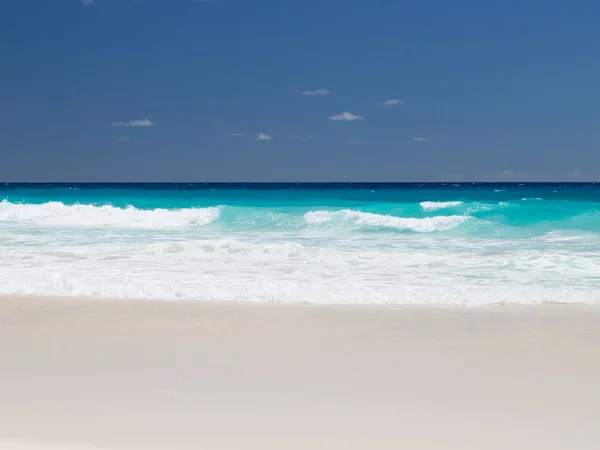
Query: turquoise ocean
point(329, 243)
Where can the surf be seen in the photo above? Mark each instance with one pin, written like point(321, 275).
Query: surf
point(61, 215)
point(374, 221)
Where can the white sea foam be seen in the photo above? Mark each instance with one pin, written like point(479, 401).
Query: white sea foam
point(434, 206)
point(405, 269)
point(567, 236)
point(421, 225)
point(59, 214)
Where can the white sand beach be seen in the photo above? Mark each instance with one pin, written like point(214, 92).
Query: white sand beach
point(80, 373)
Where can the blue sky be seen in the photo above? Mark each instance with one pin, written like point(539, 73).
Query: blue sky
point(183, 90)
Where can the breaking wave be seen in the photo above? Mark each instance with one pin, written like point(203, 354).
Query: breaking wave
point(59, 214)
point(420, 225)
point(434, 206)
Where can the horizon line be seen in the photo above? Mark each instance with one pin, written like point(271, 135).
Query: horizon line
point(6, 183)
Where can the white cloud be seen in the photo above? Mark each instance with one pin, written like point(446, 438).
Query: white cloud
point(345, 116)
point(574, 173)
point(135, 123)
point(234, 134)
point(122, 139)
point(507, 174)
point(419, 139)
point(510, 175)
point(316, 92)
point(393, 102)
point(88, 2)
point(264, 137)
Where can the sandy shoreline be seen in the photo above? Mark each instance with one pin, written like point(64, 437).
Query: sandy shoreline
point(85, 373)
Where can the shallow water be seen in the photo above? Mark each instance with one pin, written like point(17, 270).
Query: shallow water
point(464, 244)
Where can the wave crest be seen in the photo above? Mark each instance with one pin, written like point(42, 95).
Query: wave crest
point(422, 225)
point(434, 206)
point(59, 214)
